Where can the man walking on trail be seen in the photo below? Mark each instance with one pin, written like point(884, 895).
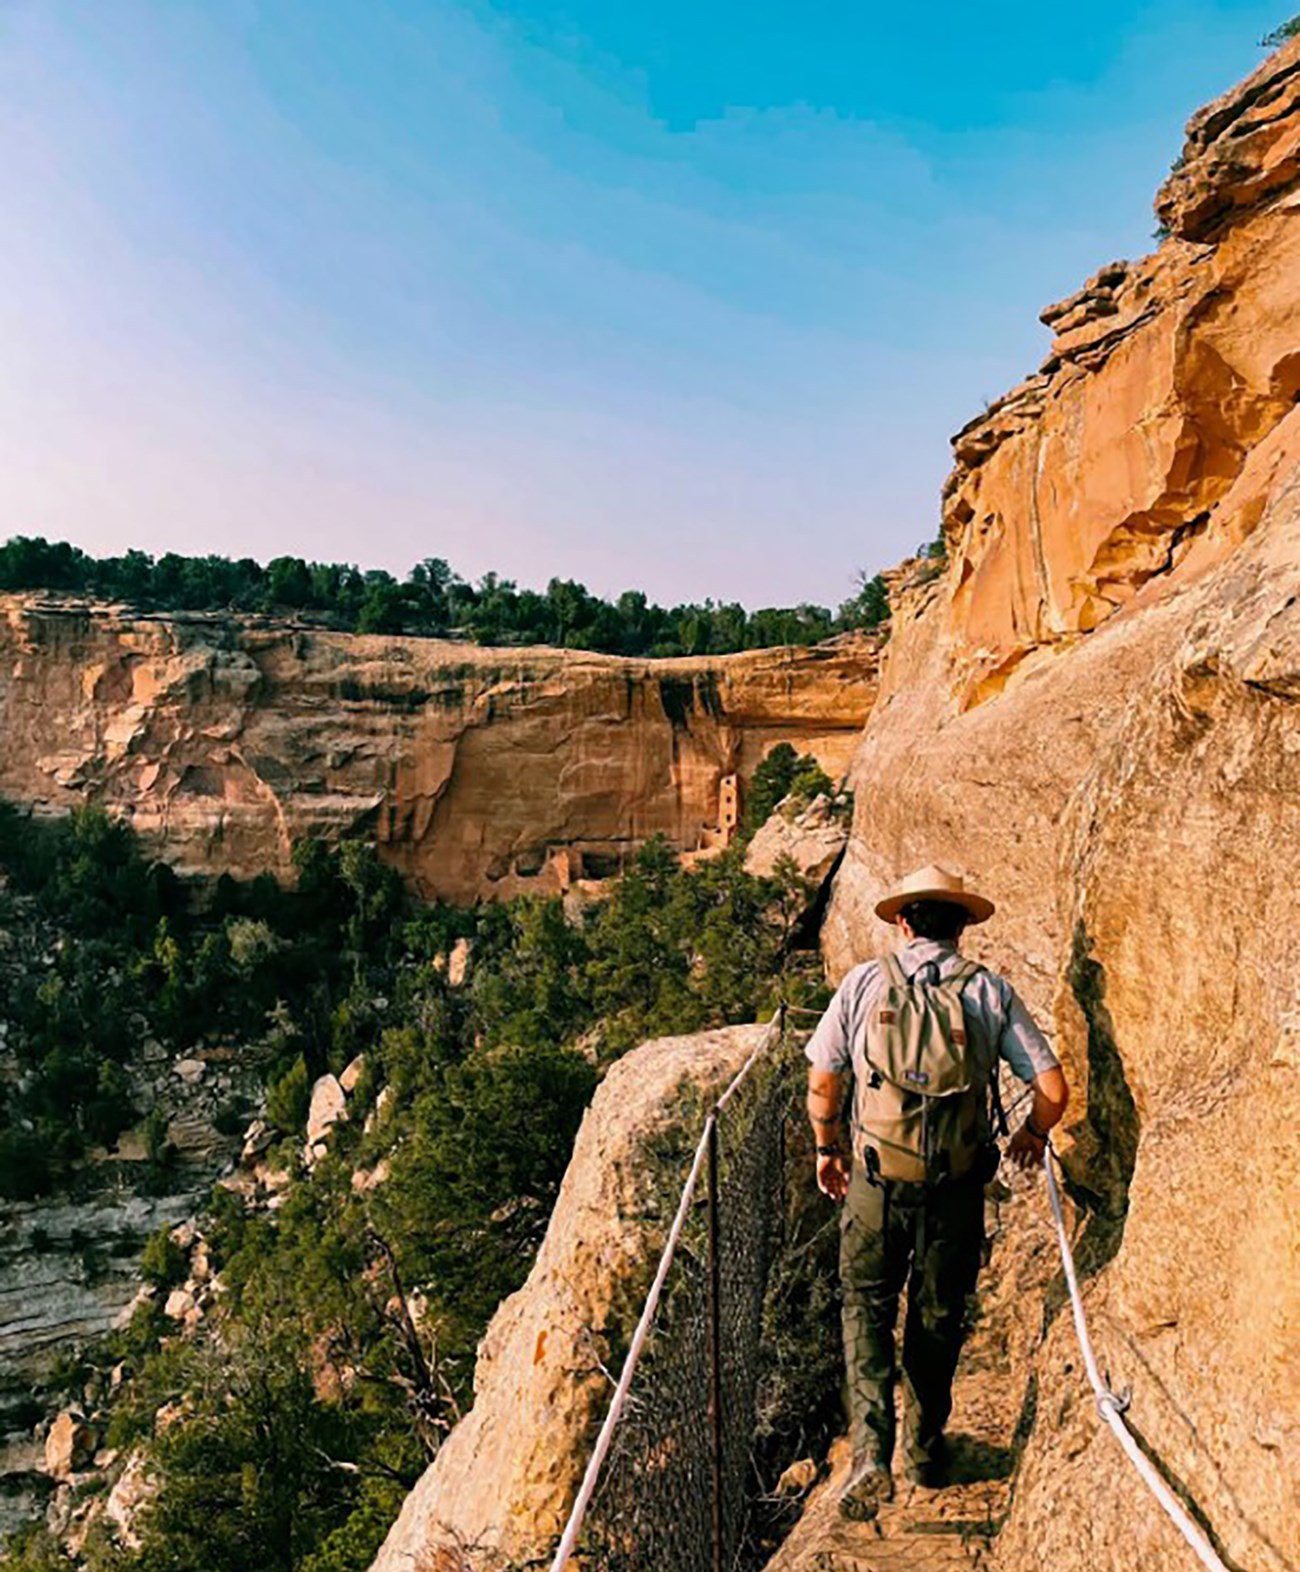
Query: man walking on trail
point(921, 1034)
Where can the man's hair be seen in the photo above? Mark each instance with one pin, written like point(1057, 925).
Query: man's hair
point(930, 919)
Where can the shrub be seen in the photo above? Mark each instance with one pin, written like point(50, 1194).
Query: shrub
point(869, 608)
point(163, 1263)
point(472, 1189)
point(252, 942)
point(35, 1549)
point(158, 1148)
point(24, 1165)
point(288, 1099)
point(1281, 34)
point(781, 774)
point(248, 1478)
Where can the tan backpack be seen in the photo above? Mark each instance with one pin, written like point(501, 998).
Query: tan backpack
point(921, 1106)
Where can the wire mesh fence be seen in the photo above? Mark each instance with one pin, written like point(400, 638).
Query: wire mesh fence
point(673, 1486)
point(672, 1494)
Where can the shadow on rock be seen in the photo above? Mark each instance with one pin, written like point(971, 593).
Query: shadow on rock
point(972, 1461)
point(1100, 1170)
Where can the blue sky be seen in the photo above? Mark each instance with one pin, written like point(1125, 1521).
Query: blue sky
point(683, 297)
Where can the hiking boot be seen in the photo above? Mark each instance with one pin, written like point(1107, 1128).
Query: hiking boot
point(869, 1485)
point(927, 1466)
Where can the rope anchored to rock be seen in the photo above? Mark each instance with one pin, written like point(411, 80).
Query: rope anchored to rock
point(1111, 1405)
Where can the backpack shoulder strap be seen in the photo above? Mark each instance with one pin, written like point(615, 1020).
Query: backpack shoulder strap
point(962, 975)
point(892, 971)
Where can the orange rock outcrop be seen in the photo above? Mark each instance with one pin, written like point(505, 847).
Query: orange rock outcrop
point(480, 772)
point(1144, 443)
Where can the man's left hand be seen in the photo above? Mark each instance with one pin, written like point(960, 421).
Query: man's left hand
point(1026, 1149)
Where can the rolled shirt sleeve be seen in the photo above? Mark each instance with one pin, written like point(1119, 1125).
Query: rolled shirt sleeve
point(1022, 1044)
point(831, 1045)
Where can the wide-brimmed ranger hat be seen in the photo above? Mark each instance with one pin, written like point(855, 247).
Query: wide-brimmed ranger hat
point(934, 884)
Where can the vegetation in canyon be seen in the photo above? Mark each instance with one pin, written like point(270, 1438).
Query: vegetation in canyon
point(285, 1429)
point(433, 600)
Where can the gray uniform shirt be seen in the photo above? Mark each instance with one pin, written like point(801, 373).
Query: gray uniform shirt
point(997, 1022)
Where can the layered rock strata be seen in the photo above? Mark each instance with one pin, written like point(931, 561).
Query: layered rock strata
point(70, 1265)
point(480, 772)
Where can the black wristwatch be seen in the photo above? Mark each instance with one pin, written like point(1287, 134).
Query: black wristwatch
point(830, 1151)
point(1038, 1135)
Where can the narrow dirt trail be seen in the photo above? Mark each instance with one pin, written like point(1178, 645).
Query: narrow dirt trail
point(955, 1527)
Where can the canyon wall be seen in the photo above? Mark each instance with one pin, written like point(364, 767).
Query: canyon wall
point(70, 1264)
point(1147, 441)
point(480, 772)
point(1095, 711)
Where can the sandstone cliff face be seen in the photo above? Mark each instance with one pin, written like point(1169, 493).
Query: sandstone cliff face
point(480, 772)
point(1144, 443)
point(500, 1490)
point(1095, 713)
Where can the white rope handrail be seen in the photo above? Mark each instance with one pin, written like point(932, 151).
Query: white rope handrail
point(764, 1043)
point(1109, 1406)
point(604, 1440)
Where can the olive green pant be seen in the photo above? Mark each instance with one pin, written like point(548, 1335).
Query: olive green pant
point(893, 1236)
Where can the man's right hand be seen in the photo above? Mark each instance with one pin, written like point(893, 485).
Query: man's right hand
point(833, 1176)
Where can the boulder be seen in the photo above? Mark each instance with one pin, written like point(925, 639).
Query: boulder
point(367, 1179)
point(798, 1479)
point(329, 1106)
point(382, 1104)
point(133, 1490)
point(353, 1073)
point(811, 836)
point(184, 1234)
point(69, 1446)
point(180, 1302)
point(458, 963)
point(144, 1295)
point(258, 1138)
point(506, 1477)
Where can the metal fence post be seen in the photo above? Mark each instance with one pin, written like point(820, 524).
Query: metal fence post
point(781, 1149)
point(715, 1339)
